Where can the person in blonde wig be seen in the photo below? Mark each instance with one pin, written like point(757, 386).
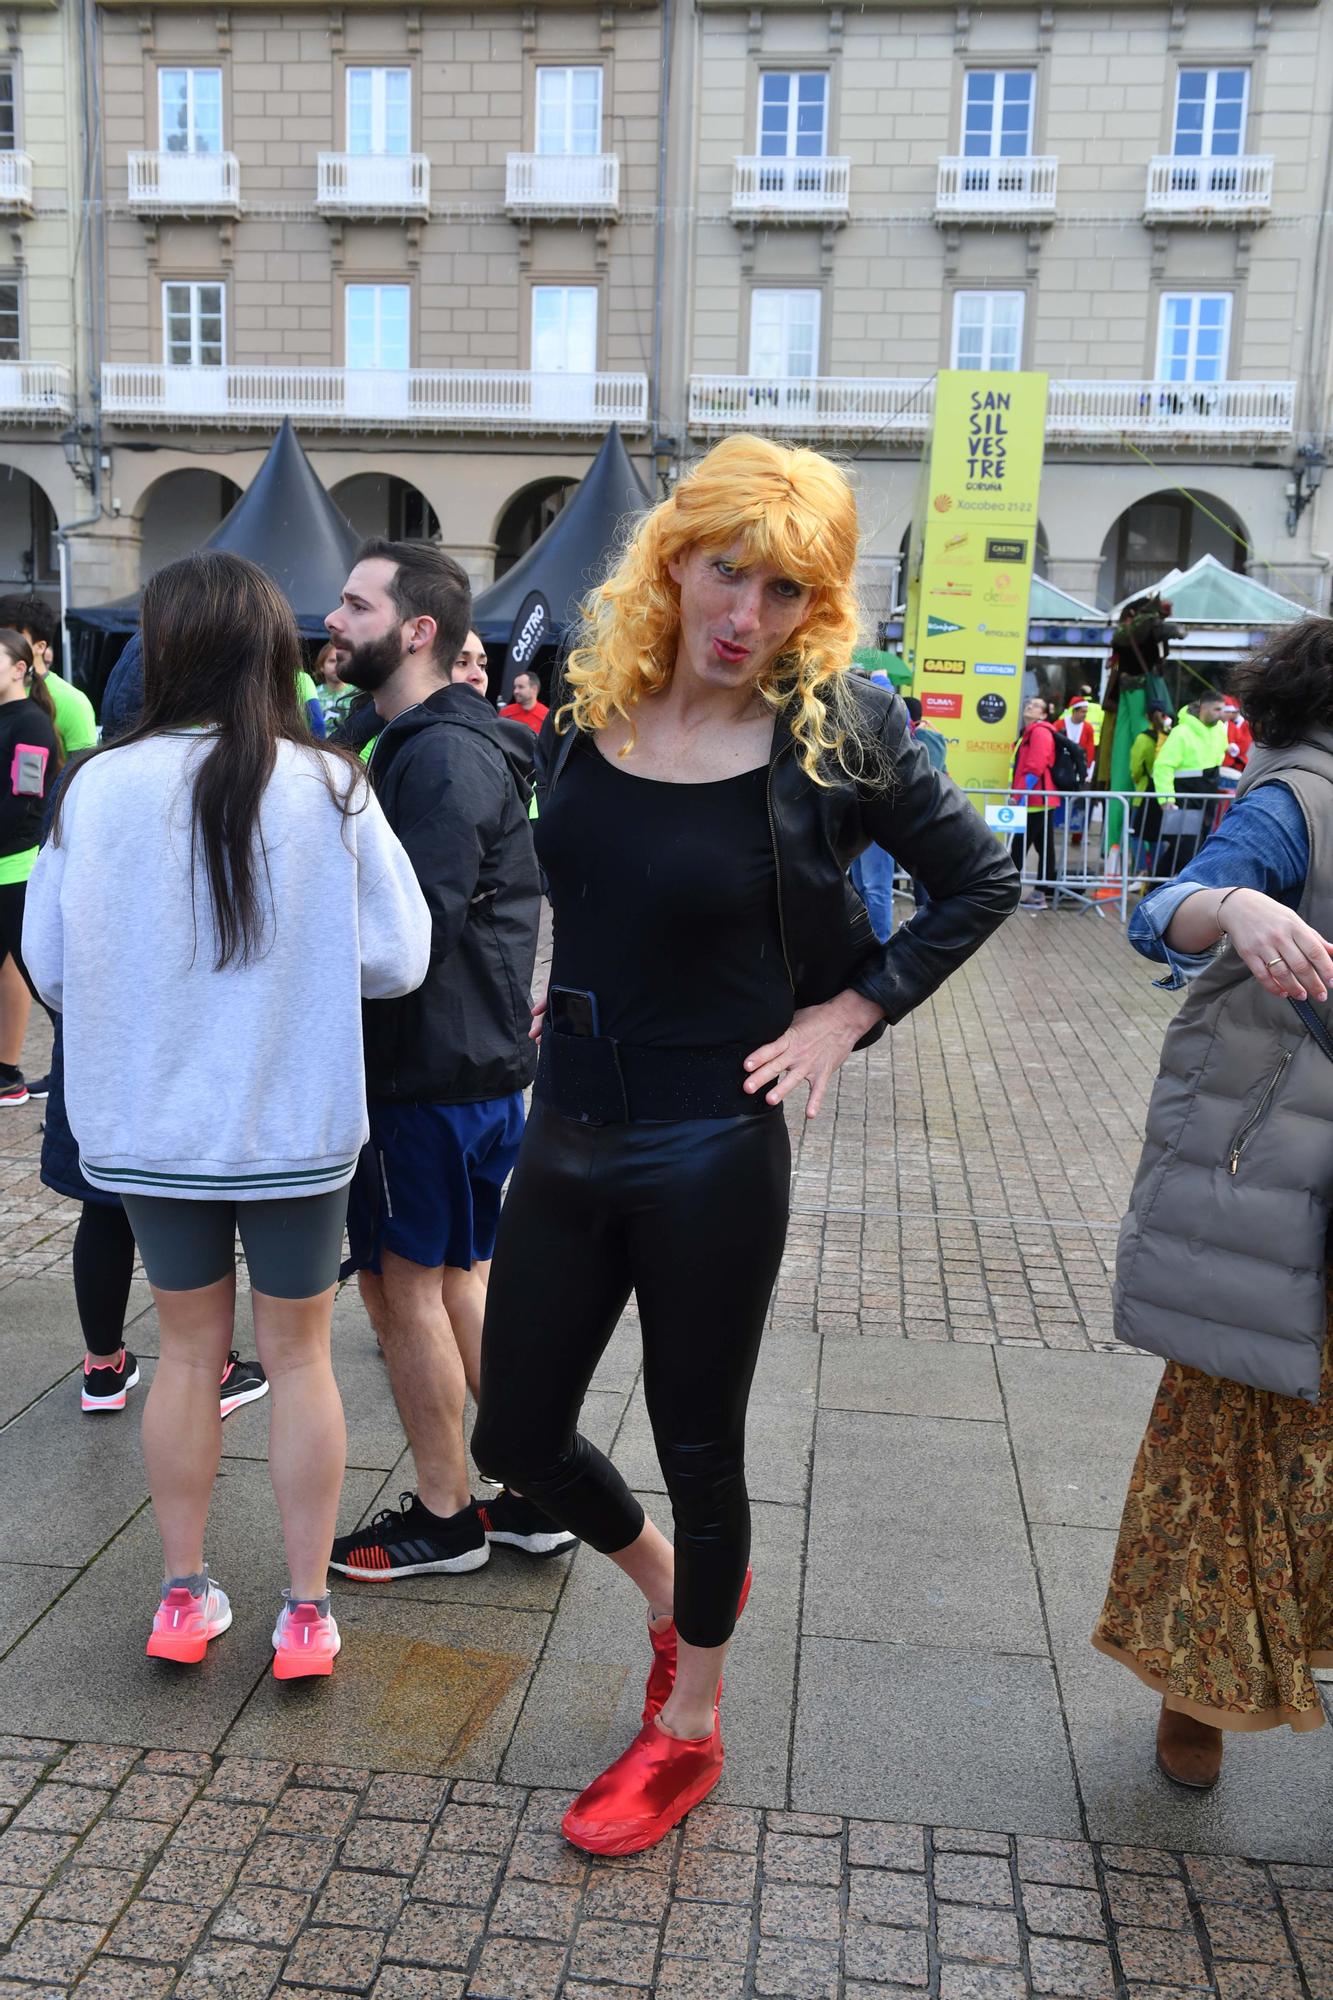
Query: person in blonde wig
point(711, 776)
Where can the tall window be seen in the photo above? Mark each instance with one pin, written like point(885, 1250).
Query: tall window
point(564, 329)
point(784, 333)
point(987, 330)
point(569, 111)
point(997, 113)
point(1210, 113)
point(8, 122)
point(190, 110)
point(793, 114)
point(378, 326)
point(379, 111)
point(11, 330)
point(193, 319)
point(1193, 337)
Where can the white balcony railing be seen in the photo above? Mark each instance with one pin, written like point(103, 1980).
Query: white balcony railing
point(902, 407)
point(37, 390)
point(814, 405)
point(557, 184)
point(185, 183)
point(1208, 189)
point(373, 184)
point(15, 184)
point(1179, 410)
point(794, 190)
point(1021, 188)
point(415, 399)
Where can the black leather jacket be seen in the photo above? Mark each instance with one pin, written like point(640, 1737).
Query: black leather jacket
point(914, 812)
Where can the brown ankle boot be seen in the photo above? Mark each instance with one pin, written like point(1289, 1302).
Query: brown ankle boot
point(1189, 1753)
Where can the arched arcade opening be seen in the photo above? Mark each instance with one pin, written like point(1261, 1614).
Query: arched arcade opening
point(380, 503)
point(179, 512)
point(1166, 531)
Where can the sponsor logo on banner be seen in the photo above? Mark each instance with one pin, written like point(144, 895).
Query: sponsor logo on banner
point(937, 627)
point(992, 708)
point(942, 503)
point(531, 627)
point(1007, 818)
point(942, 704)
point(995, 667)
point(1000, 631)
point(944, 666)
point(1000, 549)
point(952, 588)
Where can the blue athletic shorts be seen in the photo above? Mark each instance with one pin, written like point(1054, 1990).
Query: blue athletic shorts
point(430, 1182)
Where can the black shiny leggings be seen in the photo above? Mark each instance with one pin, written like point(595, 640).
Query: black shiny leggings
point(691, 1216)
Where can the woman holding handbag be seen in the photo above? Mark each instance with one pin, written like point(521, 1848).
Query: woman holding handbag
point(1221, 1592)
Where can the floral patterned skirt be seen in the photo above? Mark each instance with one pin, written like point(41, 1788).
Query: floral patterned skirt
point(1221, 1592)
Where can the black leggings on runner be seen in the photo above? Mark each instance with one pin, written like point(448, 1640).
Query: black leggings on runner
point(103, 1268)
point(13, 896)
point(691, 1216)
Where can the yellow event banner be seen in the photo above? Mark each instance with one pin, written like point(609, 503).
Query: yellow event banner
point(974, 531)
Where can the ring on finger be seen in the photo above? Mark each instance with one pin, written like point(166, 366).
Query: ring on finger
point(1279, 960)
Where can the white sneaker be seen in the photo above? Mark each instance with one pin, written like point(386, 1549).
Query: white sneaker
point(306, 1641)
point(184, 1624)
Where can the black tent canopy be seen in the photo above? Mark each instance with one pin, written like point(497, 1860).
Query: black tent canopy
point(563, 564)
point(284, 521)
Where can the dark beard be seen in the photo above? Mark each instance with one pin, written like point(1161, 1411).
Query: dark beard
point(370, 665)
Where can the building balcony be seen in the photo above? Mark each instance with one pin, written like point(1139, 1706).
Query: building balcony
point(901, 408)
point(766, 189)
point(373, 184)
point(38, 391)
point(1237, 189)
point(827, 406)
point(563, 186)
point(185, 184)
point(1181, 412)
point(413, 399)
point(15, 184)
point(1003, 190)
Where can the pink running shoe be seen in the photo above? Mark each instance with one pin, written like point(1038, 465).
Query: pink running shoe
point(305, 1641)
point(184, 1623)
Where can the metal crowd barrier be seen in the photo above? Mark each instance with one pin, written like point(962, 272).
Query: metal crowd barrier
point(1105, 848)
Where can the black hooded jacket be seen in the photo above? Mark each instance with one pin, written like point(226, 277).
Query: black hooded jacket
point(457, 797)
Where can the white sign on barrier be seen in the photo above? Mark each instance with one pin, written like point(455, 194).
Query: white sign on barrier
point(1007, 819)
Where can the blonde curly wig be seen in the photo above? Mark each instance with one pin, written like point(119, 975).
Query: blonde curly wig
point(791, 508)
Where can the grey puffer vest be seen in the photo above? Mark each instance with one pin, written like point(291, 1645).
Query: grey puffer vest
point(1222, 1256)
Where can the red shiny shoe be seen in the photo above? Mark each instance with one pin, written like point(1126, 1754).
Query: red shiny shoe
point(638, 1799)
point(662, 1673)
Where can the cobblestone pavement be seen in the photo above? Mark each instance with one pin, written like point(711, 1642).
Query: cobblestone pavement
point(934, 1787)
point(124, 1876)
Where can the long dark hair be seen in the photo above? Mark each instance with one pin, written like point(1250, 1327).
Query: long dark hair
point(221, 653)
point(19, 650)
point(1285, 687)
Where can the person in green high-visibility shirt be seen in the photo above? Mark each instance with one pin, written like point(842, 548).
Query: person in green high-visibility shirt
point(76, 725)
point(1190, 762)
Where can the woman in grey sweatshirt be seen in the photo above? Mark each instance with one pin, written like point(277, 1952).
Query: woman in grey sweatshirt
point(207, 878)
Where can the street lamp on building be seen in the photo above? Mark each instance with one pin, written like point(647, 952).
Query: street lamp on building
point(1307, 472)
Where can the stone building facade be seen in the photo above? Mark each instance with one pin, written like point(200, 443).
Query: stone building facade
point(454, 242)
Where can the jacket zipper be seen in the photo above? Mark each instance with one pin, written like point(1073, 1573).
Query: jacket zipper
point(1246, 1131)
point(777, 872)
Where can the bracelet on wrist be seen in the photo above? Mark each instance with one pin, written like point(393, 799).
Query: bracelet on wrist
point(1217, 913)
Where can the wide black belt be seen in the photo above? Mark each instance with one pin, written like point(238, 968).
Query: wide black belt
point(604, 1082)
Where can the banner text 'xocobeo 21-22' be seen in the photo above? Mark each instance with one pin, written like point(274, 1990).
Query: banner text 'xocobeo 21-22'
point(974, 532)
